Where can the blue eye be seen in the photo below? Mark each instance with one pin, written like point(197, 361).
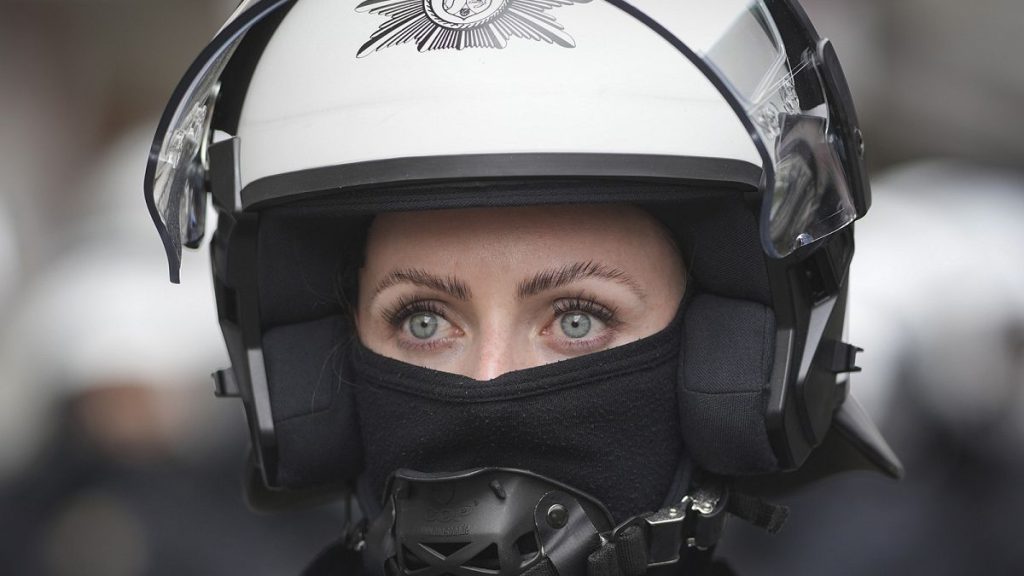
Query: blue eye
point(423, 325)
point(575, 324)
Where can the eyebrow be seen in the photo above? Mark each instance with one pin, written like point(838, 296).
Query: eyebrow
point(449, 285)
point(558, 277)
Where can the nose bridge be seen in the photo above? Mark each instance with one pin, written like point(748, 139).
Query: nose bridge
point(496, 350)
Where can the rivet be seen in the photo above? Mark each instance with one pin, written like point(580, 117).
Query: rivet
point(558, 516)
point(498, 489)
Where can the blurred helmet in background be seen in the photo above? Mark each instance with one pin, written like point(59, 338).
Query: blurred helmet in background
point(102, 316)
point(938, 299)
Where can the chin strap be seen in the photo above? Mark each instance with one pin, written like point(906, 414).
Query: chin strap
point(695, 523)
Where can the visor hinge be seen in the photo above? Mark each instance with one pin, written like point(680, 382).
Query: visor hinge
point(225, 385)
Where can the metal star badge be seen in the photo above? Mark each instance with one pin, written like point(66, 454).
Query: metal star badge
point(458, 24)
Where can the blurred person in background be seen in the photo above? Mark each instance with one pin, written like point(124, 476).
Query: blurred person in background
point(10, 260)
point(937, 301)
point(113, 462)
point(933, 78)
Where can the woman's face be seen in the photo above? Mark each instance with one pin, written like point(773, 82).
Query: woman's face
point(481, 292)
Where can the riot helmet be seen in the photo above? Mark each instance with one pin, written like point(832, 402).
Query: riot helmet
point(730, 122)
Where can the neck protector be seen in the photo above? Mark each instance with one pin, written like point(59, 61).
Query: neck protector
point(605, 423)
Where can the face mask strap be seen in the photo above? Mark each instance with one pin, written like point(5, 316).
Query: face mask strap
point(694, 525)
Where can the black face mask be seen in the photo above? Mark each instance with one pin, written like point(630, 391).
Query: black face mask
point(606, 423)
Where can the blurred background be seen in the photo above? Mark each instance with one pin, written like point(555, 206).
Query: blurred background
point(116, 460)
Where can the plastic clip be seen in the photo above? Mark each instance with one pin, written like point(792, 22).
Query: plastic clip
point(844, 358)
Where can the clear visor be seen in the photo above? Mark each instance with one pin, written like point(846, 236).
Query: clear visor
point(176, 173)
point(788, 92)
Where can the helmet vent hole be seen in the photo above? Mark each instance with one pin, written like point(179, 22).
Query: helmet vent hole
point(411, 560)
point(527, 545)
point(487, 559)
point(444, 549)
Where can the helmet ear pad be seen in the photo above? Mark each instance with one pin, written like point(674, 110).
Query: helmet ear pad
point(308, 264)
point(729, 330)
point(723, 386)
point(314, 411)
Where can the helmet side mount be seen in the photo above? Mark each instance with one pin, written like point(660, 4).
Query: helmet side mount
point(233, 251)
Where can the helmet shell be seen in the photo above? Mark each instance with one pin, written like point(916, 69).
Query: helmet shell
point(618, 90)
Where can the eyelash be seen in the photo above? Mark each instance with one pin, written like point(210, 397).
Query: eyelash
point(581, 303)
point(404, 308)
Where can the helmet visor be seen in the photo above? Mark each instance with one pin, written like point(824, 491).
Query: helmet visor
point(785, 84)
point(783, 90)
point(176, 172)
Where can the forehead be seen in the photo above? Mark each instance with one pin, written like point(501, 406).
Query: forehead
point(609, 230)
point(493, 249)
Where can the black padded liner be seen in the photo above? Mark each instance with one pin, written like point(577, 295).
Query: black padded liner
point(724, 371)
point(300, 245)
point(722, 249)
point(309, 254)
point(314, 414)
point(302, 253)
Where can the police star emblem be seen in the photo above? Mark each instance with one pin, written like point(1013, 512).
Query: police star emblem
point(458, 24)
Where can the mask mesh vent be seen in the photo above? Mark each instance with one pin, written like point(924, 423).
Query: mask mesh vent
point(487, 560)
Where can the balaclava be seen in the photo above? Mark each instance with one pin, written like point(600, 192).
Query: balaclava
point(605, 423)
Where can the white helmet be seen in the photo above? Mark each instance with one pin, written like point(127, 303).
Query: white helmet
point(730, 120)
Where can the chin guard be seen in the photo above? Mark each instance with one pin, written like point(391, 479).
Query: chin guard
point(503, 522)
point(486, 521)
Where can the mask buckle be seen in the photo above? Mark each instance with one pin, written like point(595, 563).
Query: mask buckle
point(665, 533)
point(710, 504)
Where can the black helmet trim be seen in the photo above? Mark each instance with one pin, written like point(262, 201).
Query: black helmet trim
point(708, 172)
point(856, 428)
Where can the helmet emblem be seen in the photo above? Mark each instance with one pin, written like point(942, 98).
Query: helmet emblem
point(458, 24)
point(465, 9)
